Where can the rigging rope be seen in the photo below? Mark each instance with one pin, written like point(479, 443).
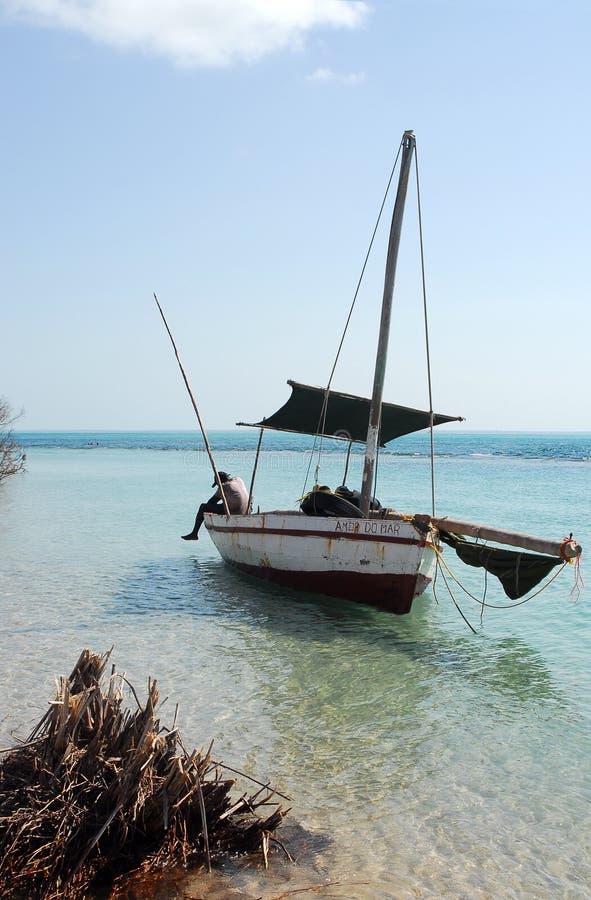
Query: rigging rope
point(424, 284)
point(322, 419)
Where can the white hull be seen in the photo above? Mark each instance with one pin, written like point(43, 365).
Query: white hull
point(383, 562)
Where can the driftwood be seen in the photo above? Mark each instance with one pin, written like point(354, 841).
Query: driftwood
point(99, 793)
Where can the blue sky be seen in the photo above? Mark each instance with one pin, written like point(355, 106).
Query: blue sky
point(231, 155)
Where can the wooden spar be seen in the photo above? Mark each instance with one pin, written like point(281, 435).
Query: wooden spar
point(408, 146)
point(201, 425)
point(254, 470)
point(566, 549)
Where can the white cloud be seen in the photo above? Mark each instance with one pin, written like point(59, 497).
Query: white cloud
point(195, 32)
point(326, 75)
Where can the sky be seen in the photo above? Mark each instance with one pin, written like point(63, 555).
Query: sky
point(232, 156)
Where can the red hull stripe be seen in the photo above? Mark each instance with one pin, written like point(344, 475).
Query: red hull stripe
point(393, 593)
point(333, 535)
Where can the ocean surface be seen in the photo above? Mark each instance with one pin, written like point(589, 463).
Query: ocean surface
point(423, 760)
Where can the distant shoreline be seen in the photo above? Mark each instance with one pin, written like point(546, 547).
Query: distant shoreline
point(451, 444)
point(190, 431)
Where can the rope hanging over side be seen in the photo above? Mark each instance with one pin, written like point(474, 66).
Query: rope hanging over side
point(442, 562)
point(439, 568)
point(579, 583)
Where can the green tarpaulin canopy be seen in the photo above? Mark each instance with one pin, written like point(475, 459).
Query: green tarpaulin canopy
point(347, 416)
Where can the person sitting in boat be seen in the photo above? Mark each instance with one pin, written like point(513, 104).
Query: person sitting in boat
point(236, 497)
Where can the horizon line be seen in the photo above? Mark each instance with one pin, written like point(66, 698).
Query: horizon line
point(453, 430)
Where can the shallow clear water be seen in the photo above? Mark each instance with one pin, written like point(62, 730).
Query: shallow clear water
point(423, 760)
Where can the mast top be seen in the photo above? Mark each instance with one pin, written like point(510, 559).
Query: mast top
point(408, 147)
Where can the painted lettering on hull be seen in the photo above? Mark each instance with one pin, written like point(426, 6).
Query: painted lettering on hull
point(347, 527)
point(352, 526)
point(381, 528)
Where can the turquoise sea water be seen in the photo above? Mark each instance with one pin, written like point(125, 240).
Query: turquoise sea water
point(423, 760)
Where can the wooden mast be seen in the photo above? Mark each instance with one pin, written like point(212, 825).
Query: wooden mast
point(373, 430)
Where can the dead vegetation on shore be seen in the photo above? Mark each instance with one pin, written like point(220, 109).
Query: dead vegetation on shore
point(99, 793)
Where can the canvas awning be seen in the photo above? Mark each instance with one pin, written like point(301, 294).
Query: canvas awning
point(346, 418)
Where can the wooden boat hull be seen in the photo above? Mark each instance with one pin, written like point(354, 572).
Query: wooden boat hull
point(379, 562)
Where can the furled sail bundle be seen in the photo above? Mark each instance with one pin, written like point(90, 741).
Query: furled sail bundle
point(517, 571)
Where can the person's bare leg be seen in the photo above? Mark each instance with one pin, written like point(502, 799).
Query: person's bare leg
point(194, 534)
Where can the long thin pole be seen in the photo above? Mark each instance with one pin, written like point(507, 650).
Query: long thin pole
point(254, 470)
point(201, 425)
point(373, 430)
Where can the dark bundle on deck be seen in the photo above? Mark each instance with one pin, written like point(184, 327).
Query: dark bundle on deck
point(99, 791)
